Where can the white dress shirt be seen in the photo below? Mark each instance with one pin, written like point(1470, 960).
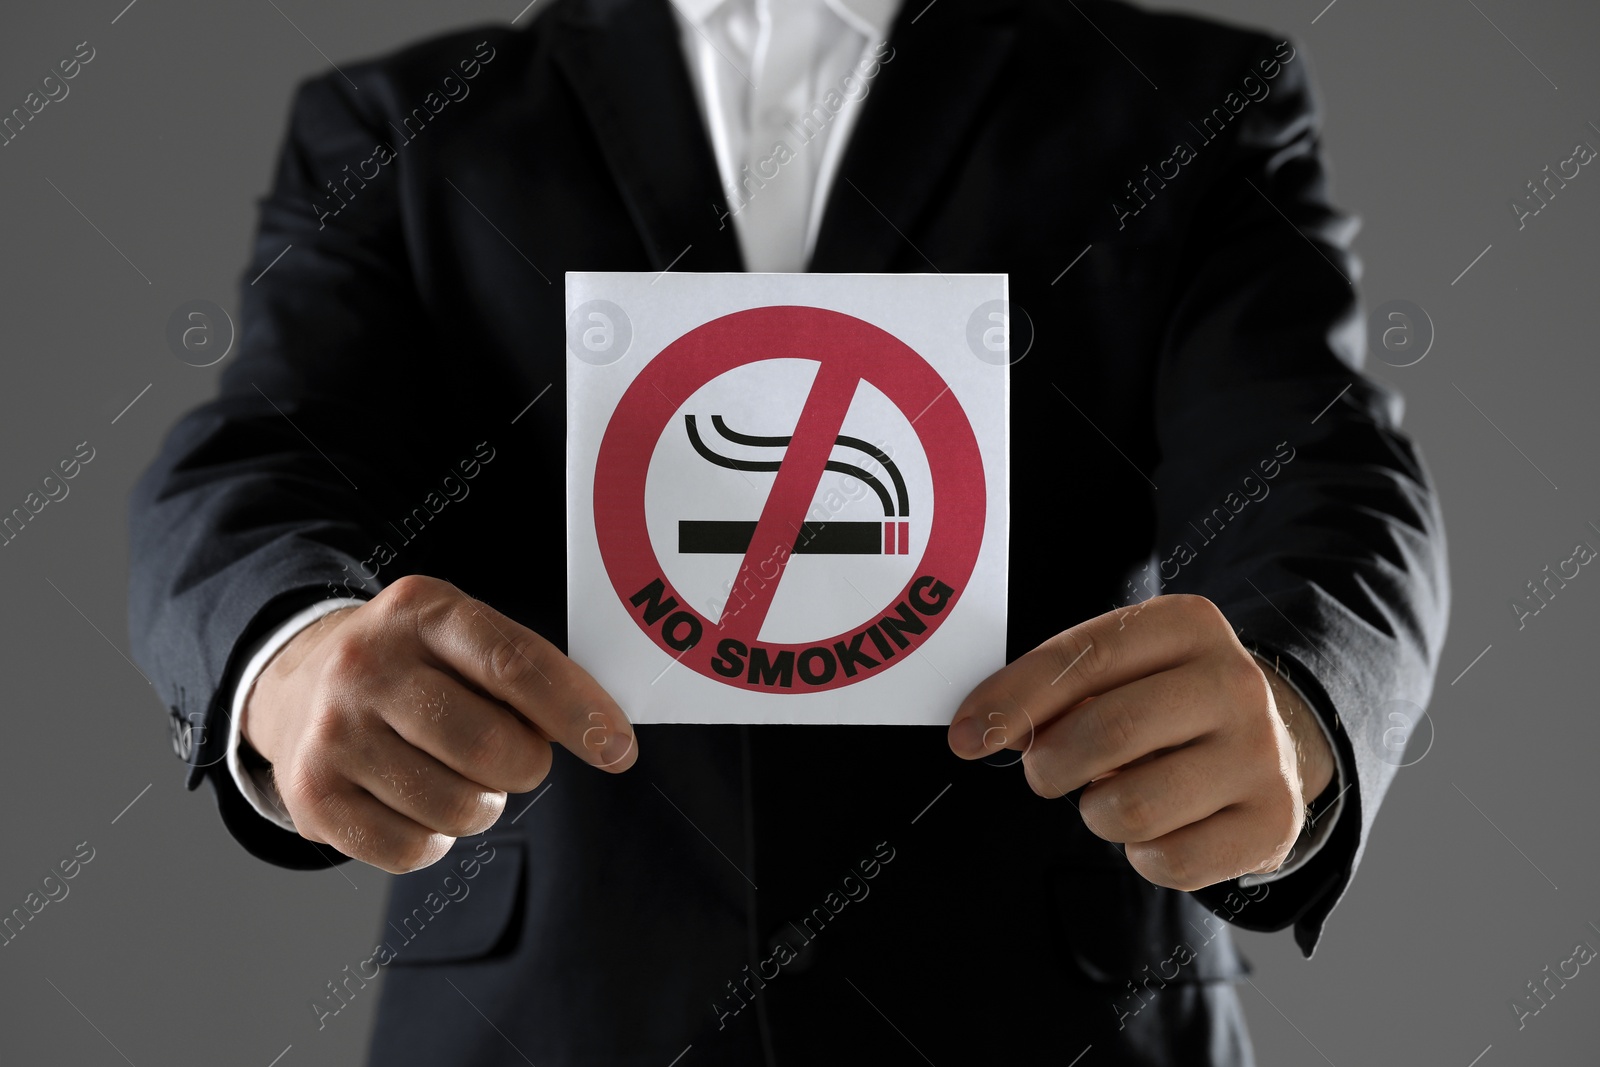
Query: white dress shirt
point(779, 84)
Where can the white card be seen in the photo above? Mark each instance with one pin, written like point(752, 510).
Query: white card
point(787, 494)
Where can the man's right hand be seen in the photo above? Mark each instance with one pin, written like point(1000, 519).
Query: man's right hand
point(395, 727)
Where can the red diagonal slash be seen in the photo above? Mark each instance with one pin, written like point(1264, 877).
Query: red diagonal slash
point(793, 489)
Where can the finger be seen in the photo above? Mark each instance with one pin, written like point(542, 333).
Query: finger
point(421, 788)
point(1165, 794)
point(1166, 710)
point(1226, 845)
point(476, 737)
point(359, 825)
point(1088, 659)
point(511, 663)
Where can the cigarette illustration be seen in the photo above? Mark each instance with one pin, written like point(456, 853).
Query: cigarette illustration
point(891, 537)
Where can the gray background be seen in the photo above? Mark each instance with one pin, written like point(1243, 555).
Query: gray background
point(1481, 869)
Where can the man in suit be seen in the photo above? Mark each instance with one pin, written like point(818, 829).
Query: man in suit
point(1252, 562)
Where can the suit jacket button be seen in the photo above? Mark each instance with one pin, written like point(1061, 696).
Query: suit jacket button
point(182, 734)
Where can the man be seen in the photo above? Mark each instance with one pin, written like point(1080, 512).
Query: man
point(1224, 556)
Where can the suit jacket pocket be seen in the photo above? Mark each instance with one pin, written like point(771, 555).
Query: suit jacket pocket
point(1116, 927)
point(464, 907)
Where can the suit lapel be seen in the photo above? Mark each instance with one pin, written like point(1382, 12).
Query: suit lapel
point(623, 60)
point(914, 122)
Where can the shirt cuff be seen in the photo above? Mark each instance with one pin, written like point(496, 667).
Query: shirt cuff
point(1320, 825)
point(256, 783)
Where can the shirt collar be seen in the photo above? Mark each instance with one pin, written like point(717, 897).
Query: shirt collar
point(871, 18)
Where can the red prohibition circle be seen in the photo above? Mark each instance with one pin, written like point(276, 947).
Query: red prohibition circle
point(847, 350)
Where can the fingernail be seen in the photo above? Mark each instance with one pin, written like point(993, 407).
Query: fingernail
point(966, 737)
point(613, 750)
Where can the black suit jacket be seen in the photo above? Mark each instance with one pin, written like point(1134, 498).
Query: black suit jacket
point(1210, 331)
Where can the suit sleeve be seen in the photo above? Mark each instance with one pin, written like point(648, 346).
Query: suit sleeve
point(1287, 493)
point(272, 496)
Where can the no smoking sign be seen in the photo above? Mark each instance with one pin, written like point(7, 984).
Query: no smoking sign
point(787, 494)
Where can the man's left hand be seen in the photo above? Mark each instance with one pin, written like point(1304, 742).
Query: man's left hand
point(1194, 757)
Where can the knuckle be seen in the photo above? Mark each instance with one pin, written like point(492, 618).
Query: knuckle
point(307, 781)
point(312, 801)
point(347, 835)
point(300, 798)
point(1113, 728)
point(447, 611)
point(1129, 813)
point(409, 593)
point(1196, 611)
point(321, 732)
point(1093, 658)
point(483, 748)
point(326, 726)
point(353, 741)
point(1243, 677)
point(349, 660)
point(512, 662)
